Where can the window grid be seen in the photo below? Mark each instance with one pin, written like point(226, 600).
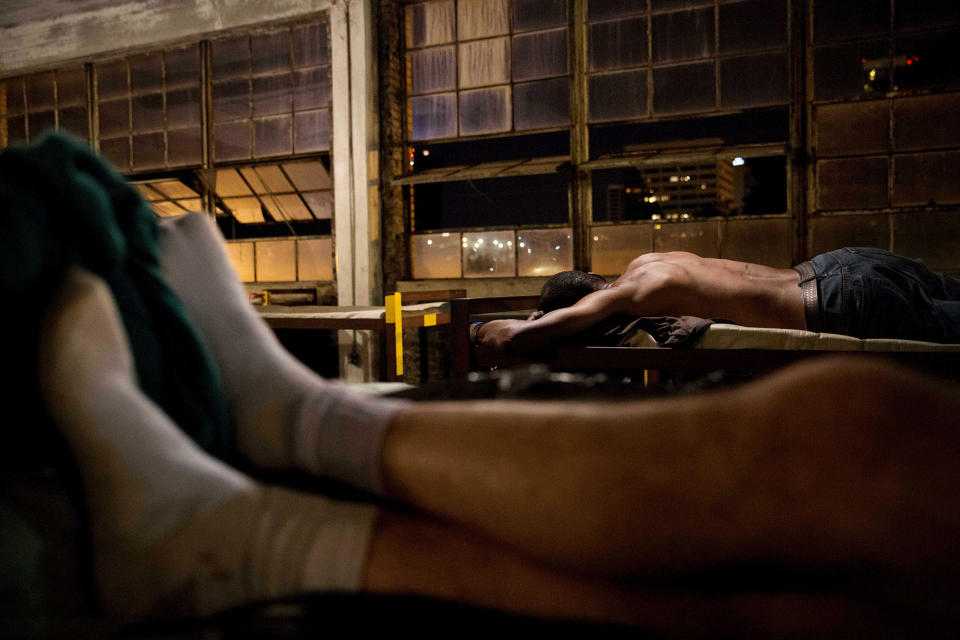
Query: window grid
point(31, 104)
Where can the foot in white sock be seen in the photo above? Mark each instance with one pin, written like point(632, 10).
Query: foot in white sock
point(285, 414)
point(175, 531)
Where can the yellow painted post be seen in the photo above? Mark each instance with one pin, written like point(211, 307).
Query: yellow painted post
point(394, 316)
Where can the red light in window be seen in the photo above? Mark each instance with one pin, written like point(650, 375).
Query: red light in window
point(909, 61)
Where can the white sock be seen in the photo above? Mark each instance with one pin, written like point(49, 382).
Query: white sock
point(174, 531)
point(285, 414)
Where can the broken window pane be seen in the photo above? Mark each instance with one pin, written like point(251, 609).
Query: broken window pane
point(539, 105)
point(485, 62)
point(748, 26)
point(683, 35)
point(852, 183)
point(540, 55)
point(432, 70)
point(433, 117)
point(315, 259)
point(481, 18)
point(613, 247)
point(539, 14)
point(544, 252)
point(850, 70)
point(485, 111)
point(489, 254)
point(926, 122)
point(684, 88)
point(926, 178)
point(311, 88)
point(618, 43)
point(430, 23)
point(436, 255)
point(618, 96)
point(754, 81)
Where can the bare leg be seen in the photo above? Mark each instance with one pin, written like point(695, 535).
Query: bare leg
point(830, 466)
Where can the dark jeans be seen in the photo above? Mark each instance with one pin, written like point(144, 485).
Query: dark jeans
point(871, 293)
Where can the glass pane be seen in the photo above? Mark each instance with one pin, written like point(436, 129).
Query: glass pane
point(231, 100)
point(760, 241)
point(485, 62)
point(436, 255)
point(926, 122)
point(858, 127)
point(686, 88)
point(929, 13)
point(271, 52)
point(276, 261)
point(38, 123)
point(538, 105)
point(231, 57)
point(147, 192)
point(183, 68)
point(117, 152)
point(272, 94)
point(273, 179)
point(834, 20)
point(489, 254)
point(112, 80)
point(184, 147)
point(272, 136)
point(183, 108)
point(13, 90)
point(149, 151)
point(315, 259)
point(16, 129)
point(74, 120)
point(926, 61)
point(748, 26)
point(146, 73)
point(311, 88)
point(432, 70)
point(312, 131)
point(430, 23)
point(701, 238)
point(148, 112)
point(932, 237)
point(310, 46)
point(851, 69)
point(40, 91)
point(231, 141)
point(854, 183)
point(668, 5)
point(540, 55)
point(167, 209)
point(539, 14)
point(753, 81)
point(71, 87)
point(173, 189)
point(307, 176)
point(926, 179)
point(433, 117)
point(682, 35)
point(480, 18)
point(612, 248)
point(291, 206)
point(827, 233)
point(229, 183)
point(241, 257)
point(618, 95)
point(485, 111)
point(320, 203)
point(245, 210)
point(544, 252)
point(603, 9)
point(114, 118)
point(620, 43)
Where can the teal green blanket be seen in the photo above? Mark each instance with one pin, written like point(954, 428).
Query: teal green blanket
point(60, 205)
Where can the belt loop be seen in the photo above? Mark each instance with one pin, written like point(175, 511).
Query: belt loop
point(808, 292)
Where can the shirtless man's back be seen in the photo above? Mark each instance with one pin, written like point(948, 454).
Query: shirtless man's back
point(665, 284)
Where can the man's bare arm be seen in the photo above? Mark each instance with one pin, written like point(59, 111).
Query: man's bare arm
point(523, 337)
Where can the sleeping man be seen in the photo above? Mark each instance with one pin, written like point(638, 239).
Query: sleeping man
point(861, 292)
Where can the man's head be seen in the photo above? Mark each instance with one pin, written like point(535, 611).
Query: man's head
point(567, 287)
